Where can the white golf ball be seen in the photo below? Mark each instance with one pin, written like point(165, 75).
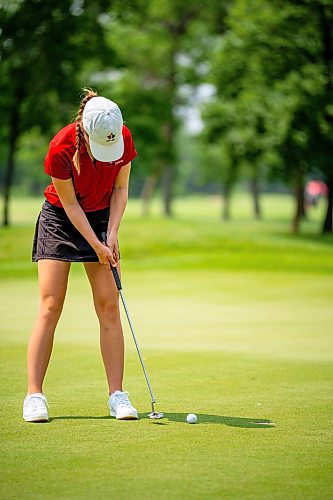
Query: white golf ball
point(191, 418)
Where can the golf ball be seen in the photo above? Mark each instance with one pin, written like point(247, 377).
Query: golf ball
point(191, 418)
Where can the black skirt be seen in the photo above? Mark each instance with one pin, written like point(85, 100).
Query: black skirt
point(56, 238)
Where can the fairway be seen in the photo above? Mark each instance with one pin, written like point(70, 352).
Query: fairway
point(234, 321)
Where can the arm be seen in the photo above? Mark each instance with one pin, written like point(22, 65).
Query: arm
point(117, 207)
point(76, 215)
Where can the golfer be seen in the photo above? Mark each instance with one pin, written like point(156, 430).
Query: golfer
point(89, 162)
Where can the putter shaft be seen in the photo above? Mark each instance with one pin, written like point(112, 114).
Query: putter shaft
point(153, 400)
point(154, 414)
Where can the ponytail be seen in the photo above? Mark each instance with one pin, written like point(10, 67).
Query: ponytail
point(79, 128)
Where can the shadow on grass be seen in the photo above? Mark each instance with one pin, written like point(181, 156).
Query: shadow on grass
point(203, 418)
point(246, 423)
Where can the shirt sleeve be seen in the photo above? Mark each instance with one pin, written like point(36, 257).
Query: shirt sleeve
point(58, 164)
point(130, 151)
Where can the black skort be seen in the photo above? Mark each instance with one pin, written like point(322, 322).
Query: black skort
point(56, 238)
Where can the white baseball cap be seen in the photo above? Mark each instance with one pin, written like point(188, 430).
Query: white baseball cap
point(103, 122)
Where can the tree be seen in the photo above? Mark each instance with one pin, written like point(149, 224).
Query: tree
point(275, 65)
point(158, 43)
point(42, 48)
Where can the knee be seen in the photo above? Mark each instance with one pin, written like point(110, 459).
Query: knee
point(51, 307)
point(107, 309)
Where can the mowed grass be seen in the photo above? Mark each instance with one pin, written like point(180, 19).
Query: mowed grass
point(235, 324)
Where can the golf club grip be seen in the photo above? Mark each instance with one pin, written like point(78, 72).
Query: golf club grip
point(116, 277)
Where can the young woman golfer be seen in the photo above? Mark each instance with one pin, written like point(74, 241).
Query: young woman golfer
point(89, 162)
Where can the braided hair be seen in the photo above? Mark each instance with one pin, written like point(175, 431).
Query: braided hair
point(88, 94)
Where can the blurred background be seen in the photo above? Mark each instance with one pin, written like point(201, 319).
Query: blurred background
point(226, 100)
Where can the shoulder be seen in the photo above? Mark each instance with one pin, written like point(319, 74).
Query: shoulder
point(65, 138)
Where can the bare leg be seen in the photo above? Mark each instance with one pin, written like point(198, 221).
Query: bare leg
point(53, 277)
point(106, 300)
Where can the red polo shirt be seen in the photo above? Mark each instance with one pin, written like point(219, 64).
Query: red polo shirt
point(93, 186)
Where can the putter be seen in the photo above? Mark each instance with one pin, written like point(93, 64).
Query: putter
point(154, 414)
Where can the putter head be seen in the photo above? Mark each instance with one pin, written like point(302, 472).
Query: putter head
point(156, 415)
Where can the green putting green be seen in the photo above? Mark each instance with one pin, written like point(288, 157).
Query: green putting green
point(234, 321)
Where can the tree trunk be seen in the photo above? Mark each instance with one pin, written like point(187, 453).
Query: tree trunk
point(327, 39)
point(168, 167)
point(170, 124)
point(168, 184)
point(254, 189)
point(147, 192)
point(10, 166)
point(328, 222)
point(299, 202)
point(226, 201)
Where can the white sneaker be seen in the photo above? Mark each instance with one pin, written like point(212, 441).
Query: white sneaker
point(35, 408)
point(121, 407)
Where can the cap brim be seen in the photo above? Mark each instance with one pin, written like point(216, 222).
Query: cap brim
point(111, 152)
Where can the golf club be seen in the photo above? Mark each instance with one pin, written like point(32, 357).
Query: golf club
point(154, 414)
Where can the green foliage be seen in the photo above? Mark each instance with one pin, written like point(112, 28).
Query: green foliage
point(42, 48)
point(41, 52)
point(270, 63)
point(158, 45)
point(273, 89)
point(30, 159)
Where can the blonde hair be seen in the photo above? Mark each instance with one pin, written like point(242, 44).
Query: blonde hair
point(88, 94)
